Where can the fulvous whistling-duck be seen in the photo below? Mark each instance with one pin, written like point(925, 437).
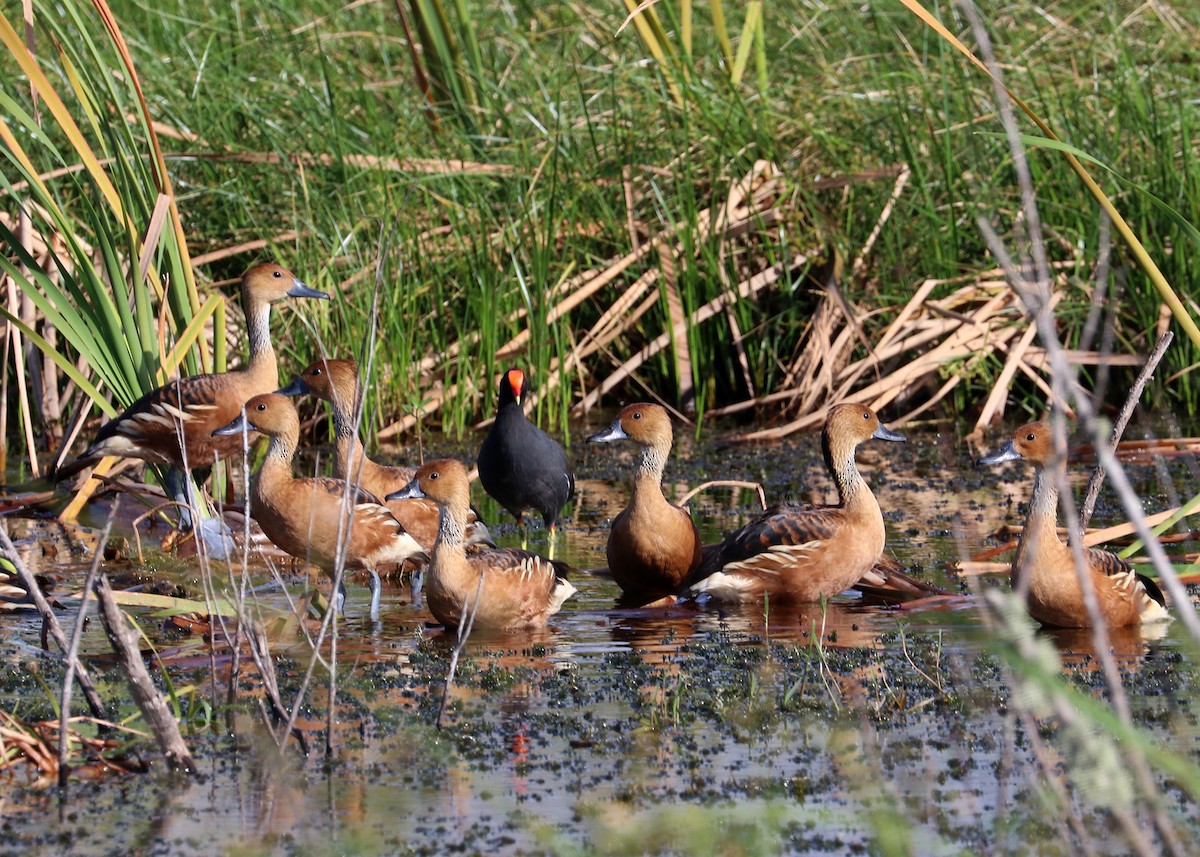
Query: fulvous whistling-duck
point(802, 553)
point(1055, 596)
point(336, 381)
point(653, 547)
point(192, 407)
point(505, 588)
point(310, 517)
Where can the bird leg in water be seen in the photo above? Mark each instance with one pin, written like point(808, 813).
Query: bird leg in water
point(179, 488)
point(375, 594)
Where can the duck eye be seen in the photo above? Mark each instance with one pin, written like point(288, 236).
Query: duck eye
point(433, 475)
point(866, 415)
point(637, 415)
point(276, 274)
point(262, 406)
point(1031, 436)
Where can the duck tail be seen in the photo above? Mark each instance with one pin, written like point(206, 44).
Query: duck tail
point(887, 584)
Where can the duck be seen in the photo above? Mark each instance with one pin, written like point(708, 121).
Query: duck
point(798, 553)
point(335, 380)
point(306, 516)
point(505, 588)
point(193, 407)
point(1055, 596)
point(521, 466)
point(653, 547)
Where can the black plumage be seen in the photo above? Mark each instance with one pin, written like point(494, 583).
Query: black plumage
point(520, 465)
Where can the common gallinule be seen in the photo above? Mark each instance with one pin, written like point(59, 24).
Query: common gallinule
point(520, 465)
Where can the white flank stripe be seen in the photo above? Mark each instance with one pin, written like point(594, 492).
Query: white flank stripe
point(155, 419)
point(181, 415)
point(718, 583)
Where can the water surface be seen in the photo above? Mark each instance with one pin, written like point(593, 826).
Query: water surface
point(799, 729)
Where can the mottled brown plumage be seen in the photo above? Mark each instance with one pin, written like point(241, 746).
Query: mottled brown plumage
point(802, 553)
point(653, 547)
point(519, 589)
point(336, 381)
point(1055, 595)
point(309, 517)
point(149, 429)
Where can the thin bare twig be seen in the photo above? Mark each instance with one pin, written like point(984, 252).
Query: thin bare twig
point(726, 483)
point(51, 622)
point(124, 641)
point(465, 623)
point(64, 707)
point(1135, 393)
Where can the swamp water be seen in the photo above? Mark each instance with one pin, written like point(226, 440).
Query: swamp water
point(787, 730)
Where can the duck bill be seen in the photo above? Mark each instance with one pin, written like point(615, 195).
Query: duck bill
point(613, 432)
point(1008, 452)
point(300, 290)
point(885, 433)
point(411, 491)
point(239, 425)
point(296, 388)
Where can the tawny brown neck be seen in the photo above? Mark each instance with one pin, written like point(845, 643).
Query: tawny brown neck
point(1041, 524)
point(652, 463)
point(276, 467)
point(349, 447)
point(839, 458)
point(452, 523)
point(263, 366)
point(349, 451)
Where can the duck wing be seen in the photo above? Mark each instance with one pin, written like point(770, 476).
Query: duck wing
point(148, 428)
point(785, 525)
point(338, 487)
point(515, 561)
point(887, 584)
point(1111, 565)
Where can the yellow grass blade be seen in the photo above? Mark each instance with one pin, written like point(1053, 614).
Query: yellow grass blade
point(58, 109)
point(89, 488)
point(749, 31)
point(645, 20)
point(1178, 310)
point(188, 338)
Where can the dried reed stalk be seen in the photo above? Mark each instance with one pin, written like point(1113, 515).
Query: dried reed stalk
point(154, 708)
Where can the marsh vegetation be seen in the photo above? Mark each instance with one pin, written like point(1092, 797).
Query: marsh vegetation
point(746, 213)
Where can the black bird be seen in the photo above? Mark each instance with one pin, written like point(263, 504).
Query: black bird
point(520, 465)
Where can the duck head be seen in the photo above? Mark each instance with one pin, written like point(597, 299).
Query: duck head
point(644, 423)
point(326, 379)
point(443, 481)
point(270, 282)
point(851, 423)
point(272, 414)
point(1033, 441)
